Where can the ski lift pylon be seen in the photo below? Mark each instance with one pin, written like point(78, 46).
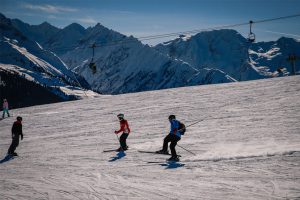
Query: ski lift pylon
point(251, 36)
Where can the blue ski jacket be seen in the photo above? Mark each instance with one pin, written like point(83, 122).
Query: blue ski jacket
point(174, 128)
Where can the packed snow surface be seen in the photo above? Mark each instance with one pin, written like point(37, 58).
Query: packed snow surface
point(247, 145)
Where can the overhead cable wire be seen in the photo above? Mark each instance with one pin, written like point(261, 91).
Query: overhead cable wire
point(126, 40)
point(277, 18)
point(159, 36)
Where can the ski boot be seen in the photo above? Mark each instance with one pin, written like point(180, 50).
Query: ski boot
point(174, 158)
point(12, 154)
point(120, 149)
point(125, 148)
point(162, 152)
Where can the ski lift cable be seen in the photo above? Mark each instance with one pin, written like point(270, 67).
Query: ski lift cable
point(277, 18)
point(159, 36)
point(151, 37)
point(164, 35)
point(215, 28)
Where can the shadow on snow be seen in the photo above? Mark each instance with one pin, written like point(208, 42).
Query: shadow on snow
point(172, 165)
point(119, 155)
point(6, 158)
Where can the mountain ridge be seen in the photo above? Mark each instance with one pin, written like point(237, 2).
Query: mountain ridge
point(123, 64)
point(22, 55)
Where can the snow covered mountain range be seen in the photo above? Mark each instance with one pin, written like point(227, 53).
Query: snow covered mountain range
point(130, 66)
point(123, 64)
point(22, 55)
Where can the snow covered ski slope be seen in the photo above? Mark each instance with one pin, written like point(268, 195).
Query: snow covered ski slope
point(247, 146)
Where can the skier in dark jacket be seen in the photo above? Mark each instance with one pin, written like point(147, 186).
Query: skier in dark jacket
point(174, 136)
point(124, 127)
point(16, 131)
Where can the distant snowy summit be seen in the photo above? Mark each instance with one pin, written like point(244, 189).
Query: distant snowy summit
point(122, 64)
point(229, 51)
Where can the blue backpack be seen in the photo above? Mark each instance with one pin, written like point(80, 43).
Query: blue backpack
point(181, 128)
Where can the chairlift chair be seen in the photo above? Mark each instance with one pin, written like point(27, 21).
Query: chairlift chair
point(251, 36)
point(92, 64)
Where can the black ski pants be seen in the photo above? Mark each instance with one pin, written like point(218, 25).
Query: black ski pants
point(13, 146)
point(123, 140)
point(173, 139)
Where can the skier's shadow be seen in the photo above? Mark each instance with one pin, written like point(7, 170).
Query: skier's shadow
point(172, 165)
point(6, 158)
point(119, 155)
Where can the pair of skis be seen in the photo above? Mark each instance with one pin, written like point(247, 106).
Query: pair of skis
point(150, 152)
point(154, 152)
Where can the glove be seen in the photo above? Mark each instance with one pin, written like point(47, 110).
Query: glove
point(21, 137)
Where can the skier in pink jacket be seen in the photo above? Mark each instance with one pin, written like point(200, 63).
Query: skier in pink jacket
point(5, 108)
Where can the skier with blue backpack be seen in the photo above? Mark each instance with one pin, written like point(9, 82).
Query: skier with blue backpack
point(177, 129)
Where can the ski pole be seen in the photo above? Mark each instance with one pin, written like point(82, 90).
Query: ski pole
point(196, 122)
point(189, 126)
point(186, 150)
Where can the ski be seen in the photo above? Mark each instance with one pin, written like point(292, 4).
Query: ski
point(170, 161)
point(156, 162)
point(153, 152)
point(110, 150)
point(163, 162)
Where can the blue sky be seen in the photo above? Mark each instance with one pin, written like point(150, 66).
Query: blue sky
point(151, 17)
